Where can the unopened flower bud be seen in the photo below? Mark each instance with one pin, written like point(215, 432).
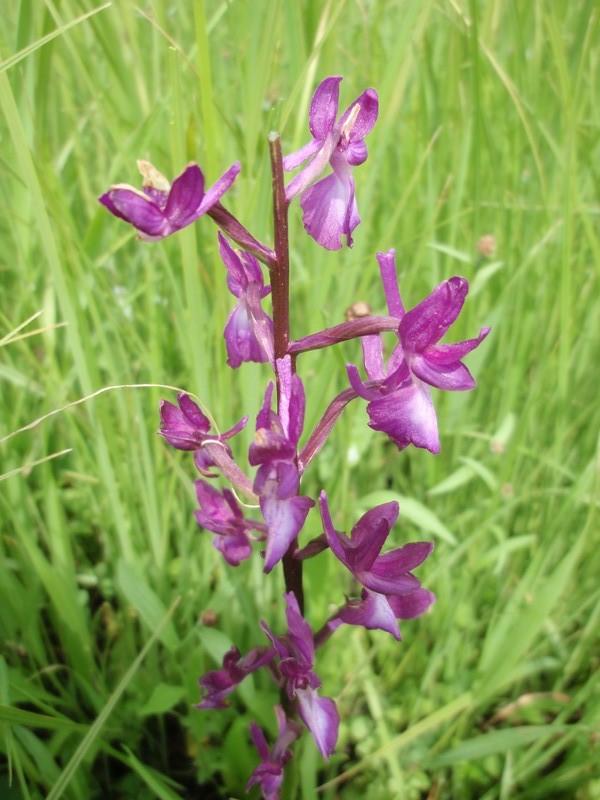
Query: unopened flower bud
point(487, 246)
point(358, 310)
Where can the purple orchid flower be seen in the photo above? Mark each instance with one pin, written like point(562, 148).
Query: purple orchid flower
point(187, 428)
point(159, 209)
point(400, 402)
point(269, 773)
point(217, 684)
point(296, 653)
point(329, 206)
point(384, 577)
point(249, 330)
point(274, 448)
point(220, 513)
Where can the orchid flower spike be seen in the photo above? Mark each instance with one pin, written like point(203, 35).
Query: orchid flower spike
point(160, 209)
point(399, 398)
point(329, 206)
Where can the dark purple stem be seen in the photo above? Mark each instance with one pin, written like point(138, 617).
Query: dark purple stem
point(280, 293)
point(354, 329)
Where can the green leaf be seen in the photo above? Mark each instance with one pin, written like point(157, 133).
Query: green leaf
point(146, 603)
point(162, 699)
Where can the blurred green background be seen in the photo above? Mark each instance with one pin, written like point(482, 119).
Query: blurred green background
point(489, 126)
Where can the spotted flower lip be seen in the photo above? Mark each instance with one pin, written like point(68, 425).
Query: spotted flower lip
point(382, 576)
point(160, 209)
point(400, 402)
point(249, 330)
point(329, 206)
point(296, 652)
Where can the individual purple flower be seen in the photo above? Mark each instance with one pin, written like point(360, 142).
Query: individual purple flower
point(249, 330)
point(329, 206)
point(400, 402)
point(296, 653)
point(217, 684)
point(384, 577)
point(160, 209)
point(220, 513)
point(269, 773)
point(185, 427)
point(274, 450)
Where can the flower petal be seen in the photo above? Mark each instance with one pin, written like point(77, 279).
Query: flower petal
point(373, 612)
point(445, 354)
point(137, 209)
point(402, 560)
point(452, 377)
point(330, 211)
point(408, 606)
point(426, 323)
point(370, 533)
point(284, 519)
point(324, 106)
point(366, 118)
point(298, 157)
point(407, 416)
point(218, 189)
point(184, 198)
point(389, 278)
point(321, 717)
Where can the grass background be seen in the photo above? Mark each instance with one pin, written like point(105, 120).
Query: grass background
point(489, 125)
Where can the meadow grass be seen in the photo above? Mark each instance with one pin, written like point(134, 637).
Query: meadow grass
point(488, 125)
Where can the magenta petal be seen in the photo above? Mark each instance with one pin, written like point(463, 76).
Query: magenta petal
point(426, 323)
point(356, 153)
point(324, 106)
point(407, 416)
point(234, 547)
point(184, 198)
point(338, 542)
point(402, 559)
point(373, 611)
point(259, 740)
point(299, 156)
point(329, 211)
point(408, 606)
point(299, 631)
point(370, 533)
point(241, 338)
point(193, 413)
point(452, 377)
point(389, 278)
point(137, 209)
point(395, 584)
point(312, 171)
point(372, 348)
point(321, 717)
point(446, 354)
point(284, 519)
point(368, 103)
point(218, 189)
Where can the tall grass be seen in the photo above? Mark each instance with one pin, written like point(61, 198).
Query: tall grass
point(488, 125)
